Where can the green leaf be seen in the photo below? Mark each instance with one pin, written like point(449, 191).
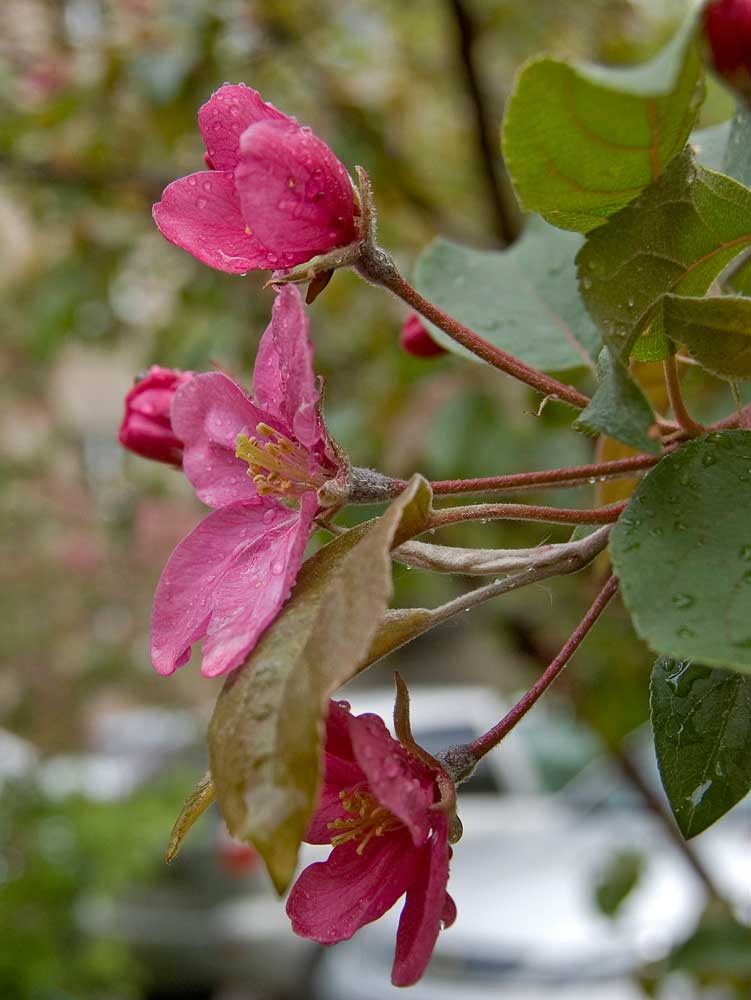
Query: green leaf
point(194, 806)
point(701, 718)
point(617, 880)
point(524, 299)
point(716, 330)
point(678, 237)
point(580, 142)
point(266, 732)
point(618, 409)
point(682, 552)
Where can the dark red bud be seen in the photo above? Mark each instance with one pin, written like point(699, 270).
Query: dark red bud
point(146, 428)
point(727, 27)
point(416, 340)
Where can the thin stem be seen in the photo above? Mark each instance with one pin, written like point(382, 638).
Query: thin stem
point(526, 512)
point(485, 129)
point(575, 475)
point(738, 400)
point(673, 382)
point(378, 268)
point(494, 736)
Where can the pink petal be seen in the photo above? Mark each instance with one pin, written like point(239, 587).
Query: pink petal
point(251, 593)
point(284, 382)
point(201, 214)
point(186, 597)
point(334, 898)
point(400, 782)
point(226, 115)
point(425, 908)
point(208, 413)
point(296, 196)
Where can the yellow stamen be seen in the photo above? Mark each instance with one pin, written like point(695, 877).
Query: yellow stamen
point(367, 820)
point(279, 465)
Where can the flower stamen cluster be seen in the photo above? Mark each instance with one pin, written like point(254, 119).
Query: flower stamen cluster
point(278, 466)
point(367, 819)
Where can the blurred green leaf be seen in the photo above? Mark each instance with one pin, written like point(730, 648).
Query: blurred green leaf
point(617, 880)
point(581, 142)
point(523, 299)
point(682, 552)
point(720, 948)
point(715, 329)
point(701, 719)
point(618, 409)
point(678, 237)
point(267, 728)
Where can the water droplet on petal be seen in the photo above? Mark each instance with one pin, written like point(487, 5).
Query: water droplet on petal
point(681, 600)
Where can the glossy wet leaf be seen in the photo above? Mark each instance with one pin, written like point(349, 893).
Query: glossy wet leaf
point(524, 299)
point(682, 552)
point(701, 719)
point(266, 731)
point(580, 142)
point(678, 237)
point(715, 329)
point(618, 409)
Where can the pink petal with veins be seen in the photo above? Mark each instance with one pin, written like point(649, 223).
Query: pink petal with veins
point(201, 214)
point(295, 194)
point(224, 118)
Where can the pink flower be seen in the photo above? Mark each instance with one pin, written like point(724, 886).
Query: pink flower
point(416, 340)
point(228, 579)
point(727, 24)
point(274, 195)
point(375, 809)
point(146, 427)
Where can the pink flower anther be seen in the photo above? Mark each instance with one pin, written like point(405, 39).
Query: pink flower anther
point(146, 426)
point(247, 458)
point(377, 810)
point(416, 340)
point(274, 195)
point(727, 26)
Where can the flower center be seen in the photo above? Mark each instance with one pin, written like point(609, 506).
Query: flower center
point(279, 465)
point(366, 819)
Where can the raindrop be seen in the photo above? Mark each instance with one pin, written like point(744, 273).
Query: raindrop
point(744, 553)
point(206, 186)
point(201, 203)
point(277, 568)
point(192, 181)
point(680, 600)
point(269, 516)
point(587, 283)
point(708, 459)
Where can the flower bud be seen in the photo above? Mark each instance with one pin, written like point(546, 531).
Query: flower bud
point(416, 340)
point(146, 427)
point(727, 28)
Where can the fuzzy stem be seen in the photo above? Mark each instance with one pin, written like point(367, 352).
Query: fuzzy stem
point(376, 266)
point(494, 736)
point(526, 512)
point(673, 383)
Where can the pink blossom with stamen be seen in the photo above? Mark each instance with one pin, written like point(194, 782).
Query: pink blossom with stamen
point(274, 194)
point(376, 808)
point(227, 580)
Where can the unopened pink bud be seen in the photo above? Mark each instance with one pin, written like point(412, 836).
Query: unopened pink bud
point(146, 428)
point(727, 27)
point(416, 340)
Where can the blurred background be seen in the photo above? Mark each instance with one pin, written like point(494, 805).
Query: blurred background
point(593, 896)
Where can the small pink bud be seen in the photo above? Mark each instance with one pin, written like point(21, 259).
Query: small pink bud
point(727, 27)
point(416, 340)
point(146, 428)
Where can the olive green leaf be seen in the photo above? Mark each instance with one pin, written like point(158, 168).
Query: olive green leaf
point(701, 718)
point(618, 408)
point(580, 142)
point(716, 330)
point(677, 237)
point(266, 732)
point(682, 552)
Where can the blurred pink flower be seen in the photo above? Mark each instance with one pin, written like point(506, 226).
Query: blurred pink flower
point(727, 25)
point(146, 426)
point(274, 195)
point(228, 579)
point(416, 340)
point(375, 809)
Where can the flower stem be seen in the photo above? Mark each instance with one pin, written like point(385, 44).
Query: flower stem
point(673, 383)
point(494, 736)
point(526, 512)
point(377, 266)
point(575, 475)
